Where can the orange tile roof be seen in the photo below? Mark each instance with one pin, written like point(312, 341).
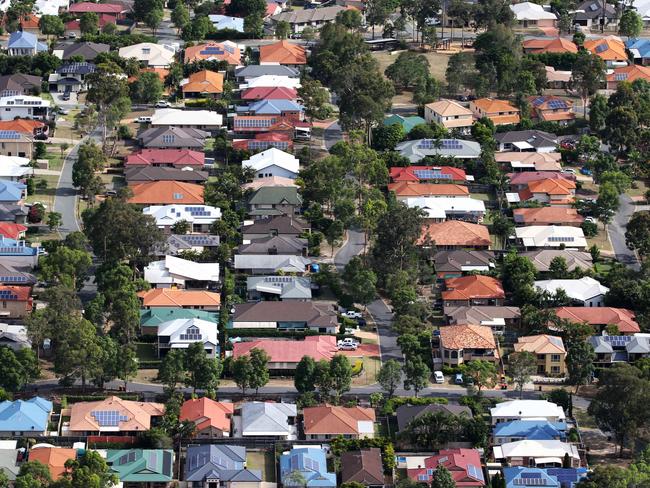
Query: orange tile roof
point(494, 105)
point(21, 125)
point(137, 414)
point(505, 119)
point(22, 293)
point(204, 82)
point(54, 458)
point(206, 413)
point(548, 215)
point(231, 54)
point(555, 45)
point(467, 337)
point(283, 52)
point(166, 193)
point(456, 233)
point(169, 297)
point(316, 347)
point(552, 186)
point(447, 108)
point(336, 420)
point(410, 188)
point(471, 287)
point(555, 116)
point(629, 73)
point(161, 72)
point(623, 318)
point(610, 48)
point(12, 230)
point(540, 344)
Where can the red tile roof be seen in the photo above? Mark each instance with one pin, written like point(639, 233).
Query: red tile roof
point(408, 173)
point(207, 413)
point(623, 318)
point(456, 233)
point(21, 125)
point(471, 287)
point(464, 466)
point(166, 193)
point(269, 93)
point(410, 188)
point(169, 297)
point(547, 215)
point(525, 177)
point(466, 336)
point(16, 293)
point(106, 8)
point(283, 52)
point(11, 230)
point(556, 45)
point(336, 420)
point(317, 347)
point(54, 458)
point(175, 157)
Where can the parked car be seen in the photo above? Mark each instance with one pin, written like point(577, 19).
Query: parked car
point(143, 119)
point(348, 347)
point(585, 171)
point(65, 96)
point(348, 340)
point(361, 322)
point(590, 219)
point(438, 377)
point(350, 331)
point(352, 314)
point(458, 379)
point(163, 104)
point(569, 171)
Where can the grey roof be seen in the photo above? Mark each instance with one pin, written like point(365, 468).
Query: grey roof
point(255, 70)
point(9, 212)
point(407, 413)
point(477, 314)
point(575, 259)
point(281, 244)
point(19, 83)
point(275, 195)
point(8, 463)
point(320, 315)
point(325, 14)
point(536, 138)
point(452, 148)
point(83, 68)
point(621, 346)
point(592, 9)
point(259, 418)
point(184, 242)
point(11, 275)
point(272, 262)
point(284, 224)
point(286, 287)
point(173, 137)
point(87, 50)
point(162, 173)
point(456, 260)
point(222, 462)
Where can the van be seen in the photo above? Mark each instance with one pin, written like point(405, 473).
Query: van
point(438, 377)
point(143, 119)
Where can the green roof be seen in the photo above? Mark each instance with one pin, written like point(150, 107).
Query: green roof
point(276, 195)
point(156, 316)
point(142, 465)
point(407, 123)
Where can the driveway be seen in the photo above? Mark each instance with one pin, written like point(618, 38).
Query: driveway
point(383, 318)
point(332, 135)
point(353, 246)
point(616, 231)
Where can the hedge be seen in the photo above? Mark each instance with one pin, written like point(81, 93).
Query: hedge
point(149, 364)
point(93, 398)
point(392, 404)
point(339, 445)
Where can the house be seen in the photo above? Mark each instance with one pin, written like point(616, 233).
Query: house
point(558, 192)
point(12, 191)
point(627, 73)
point(546, 216)
point(315, 316)
point(212, 418)
point(520, 180)
point(536, 430)
point(406, 123)
point(173, 272)
point(472, 290)
point(25, 417)
point(203, 84)
point(178, 243)
point(259, 264)
point(500, 112)
point(610, 349)
point(87, 50)
point(558, 79)
point(19, 84)
point(328, 422)
point(214, 51)
point(591, 14)
point(265, 140)
point(550, 477)
point(177, 158)
point(557, 45)
point(436, 174)
point(170, 297)
point(245, 73)
point(542, 259)
point(219, 465)
point(14, 213)
point(14, 336)
point(204, 120)
point(200, 217)
point(71, 77)
point(464, 465)
point(449, 114)
point(549, 108)
point(173, 138)
point(16, 301)
point(53, 457)
point(284, 355)
point(532, 140)
point(283, 53)
point(314, 18)
point(166, 193)
point(269, 181)
point(527, 410)
point(143, 174)
point(459, 344)
point(162, 74)
point(446, 148)
point(114, 415)
point(438, 209)
point(639, 49)
point(586, 291)
point(610, 49)
point(281, 244)
point(364, 466)
point(225, 22)
point(530, 161)
point(274, 200)
point(73, 27)
point(453, 264)
point(9, 461)
point(14, 169)
point(497, 318)
point(138, 467)
point(551, 236)
point(266, 81)
point(24, 107)
point(266, 419)
point(274, 226)
point(24, 126)
point(549, 351)
point(181, 333)
point(150, 319)
point(289, 109)
point(408, 189)
point(528, 14)
point(283, 288)
point(114, 9)
point(455, 234)
point(269, 92)
point(18, 253)
point(273, 162)
point(22, 43)
point(51, 7)
point(540, 454)
point(252, 124)
point(12, 275)
point(405, 414)
point(149, 54)
point(622, 318)
point(311, 462)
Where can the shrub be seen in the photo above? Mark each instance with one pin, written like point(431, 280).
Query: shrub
point(590, 229)
point(357, 367)
point(392, 404)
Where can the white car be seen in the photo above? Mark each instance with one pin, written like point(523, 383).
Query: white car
point(348, 340)
point(348, 347)
point(162, 104)
point(569, 171)
point(438, 377)
point(590, 219)
point(350, 331)
point(353, 314)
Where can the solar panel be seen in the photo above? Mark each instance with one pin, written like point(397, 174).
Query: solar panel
point(450, 144)
point(475, 472)
point(531, 476)
point(9, 134)
point(427, 144)
point(620, 76)
point(108, 418)
point(601, 47)
point(427, 174)
point(539, 100)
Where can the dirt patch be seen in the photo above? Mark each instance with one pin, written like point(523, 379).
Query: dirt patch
point(438, 60)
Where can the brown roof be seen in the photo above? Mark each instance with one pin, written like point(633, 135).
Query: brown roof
point(448, 108)
point(494, 105)
point(456, 233)
point(556, 45)
point(547, 215)
point(221, 51)
point(540, 344)
point(336, 420)
point(467, 337)
point(54, 458)
point(415, 189)
point(168, 297)
point(204, 82)
point(283, 52)
point(623, 318)
point(363, 466)
point(307, 312)
point(166, 193)
point(473, 286)
point(135, 416)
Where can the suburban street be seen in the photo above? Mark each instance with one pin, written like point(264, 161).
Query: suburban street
point(353, 247)
point(332, 135)
point(616, 231)
point(383, 317)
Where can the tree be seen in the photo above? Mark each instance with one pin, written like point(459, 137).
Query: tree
point(180, 16)
point(630, 24)
point(378, 11)
point(282, 29)
point(491, 13)
point(416, 374)
point(607, 203)
point(66, 266)
point(598, 111)
point(341, 375)
point(483, 373)
point(147, 88)
point(323, 380)
point(89, 23)
point(637, 234)
point(54, 220)
point(172, 369)
point(295, 478)
point(242, 372)
point(360, 281)
point(143, 7)
point(202, 371)
point(521, 366)
point(587, 75)
point(254, 26)
point(580, 363)
point(89, 470)
point(409, 70)
point(442, 478)
point(17, 368)
point(558, 268)
point(259, 360)
point(315, 99)
point(51, 25)
point(90, 159)
point(78, 353)
point(518, 276)
point(109, 91)
point(33, 474)
point(244, 8)
point(621, 128)
point(304, 377)
point(153, 19)
point(497, 57)
point(390, 376)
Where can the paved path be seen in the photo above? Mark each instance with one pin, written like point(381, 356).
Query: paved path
point(616, 231)
point(383, 318)
point(353, 246)
point(332, 135)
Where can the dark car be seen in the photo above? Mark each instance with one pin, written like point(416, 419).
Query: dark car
point(65, 96)
point(41, 137)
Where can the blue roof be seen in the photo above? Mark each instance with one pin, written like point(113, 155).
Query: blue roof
point(12, 247)
point(568, 477)
point(225, 463)
point(519, 477)
point(311, 462)
point(641, 45)
point(25, 40)
point(11, 191)
point(538, 430)
point(25, 416)
point(273, 107)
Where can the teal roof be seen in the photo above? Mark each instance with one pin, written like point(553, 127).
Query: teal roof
point(407, 123)
point(142, 465)
point(158, 315)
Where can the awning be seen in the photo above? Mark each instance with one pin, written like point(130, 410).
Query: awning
point(548, 460)
point(521, 145)
point(513, 197)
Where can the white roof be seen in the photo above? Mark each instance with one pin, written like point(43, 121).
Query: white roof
point(227, 22)
point(265, 418)
point(536, 449)
point(526, 409)
point(177, 270)
point(438, 207)
point(50, 7)
point(23, 101)
point(531, 11)
point(582, 289)
point(14, 166)
point(273, 157)
point(642, 7)
point(271, 80)
point(167, 215)
point(172, 116)
point(551, 236)
point(152, 54)
point(183, 332)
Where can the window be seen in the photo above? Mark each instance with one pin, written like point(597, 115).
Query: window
point(555, 358)
point(555, 369)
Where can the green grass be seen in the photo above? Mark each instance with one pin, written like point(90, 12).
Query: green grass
point(639, 190)
point(53, 155)
point(44, 195)
point(584, 419)
point(482, 196)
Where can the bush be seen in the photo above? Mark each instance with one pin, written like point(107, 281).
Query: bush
point(357, 367)
point(391, 405)
point(93, 398)
point(590, 229)
point(124, 132)
point(149, 364)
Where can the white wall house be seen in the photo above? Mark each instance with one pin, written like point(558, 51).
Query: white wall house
point(200, 217)
point(24, 107)
point(527, 410)
point(587, 291)
point(273, 162)
point(181, 333)
point(176, 272)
